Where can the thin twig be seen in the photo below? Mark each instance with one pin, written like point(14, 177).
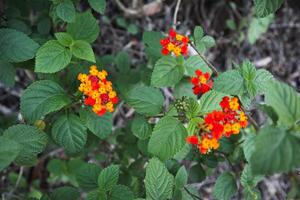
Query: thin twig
point(176, 13)
point(17, 183)
point(191, 194)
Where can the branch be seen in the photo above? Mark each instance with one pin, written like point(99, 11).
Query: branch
point(176, 13)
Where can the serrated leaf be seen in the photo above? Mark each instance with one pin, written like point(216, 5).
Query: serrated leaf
point(15, 46)
point(208, 41)
point(266, 7)
point(181, 178)
point(121, 192)
point(257, 27)
point(9, 150)
point(83, 50)
point(225, 187)
point(210, 101)
point(98, 5)
point(100, 126)
point(108, 178)
point(285, 101)
point(262, 79)
point(193, 108)
point(31, 140)
point(64, 39)
point(152, 46)
point(7, 75)
point(251, 193)
point(65, 192)
point(167, 72)
point(141, 128)
point(229, 82)
point(168, 138)
point(65, 10)
point(87, 176)
point(69, 132)
point(42, 98)
point(52, 57)
point(275, 151)
point(85, 27)
point(248, 146)
point(198, 33)
point(145, 100)
point(158, 182)
point(195, 62)
point(248, 179)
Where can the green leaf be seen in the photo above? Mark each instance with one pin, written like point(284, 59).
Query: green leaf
point(158, 182)
point(229, 82)
point(83, 50)
point(87, 176)
point(52, 57)
point(184, 88)
point(44, 26)
point(100, 126)
point(208, 41)
point(65, 10)
point(181, 178)
point(31, 140)
point(145, 100)
point(262, 79)
point(141, 128)
point(225, 187)
point(251, 193)
point(167, 72)
point(248, 71)
point(258, 26)
point(9, 150)
point(15, 46)
point(198, 33)
point(195, 62)
point(285, 101)
point(108, 177)
point(98, 5)
point(65, 192)
point(64, 39)
point(275, 151)
point(151, 39)
point(210, 101)
point(168, 138)
point(121, 192)
point(197, 173)
point(123, 62)
point(248, 146)
point(69, 132)
point(41, 98)
point(85, 27)
point(248, 179)
point(7, 75)
point(266, 7)
point(19, 25)
point(133, 29)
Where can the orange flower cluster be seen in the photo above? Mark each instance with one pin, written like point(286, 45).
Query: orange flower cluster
point(201, 82)
point(98, 91)
point(217, 124)
point(174, 43)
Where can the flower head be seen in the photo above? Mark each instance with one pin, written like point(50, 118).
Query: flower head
point(98, 91)
point(175, 43)
point(201, 82)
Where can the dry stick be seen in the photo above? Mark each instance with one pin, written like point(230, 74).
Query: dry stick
point(253, 122)
point(176, 13)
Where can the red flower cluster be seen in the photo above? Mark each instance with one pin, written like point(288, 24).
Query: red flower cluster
point(176, 43)
point(217, 124)
point(201, 82)
point(98, 91)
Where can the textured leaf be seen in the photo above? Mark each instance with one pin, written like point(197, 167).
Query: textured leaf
point(65, 192)
point(52, 57)
point(248, 179)
point(266, 7)
point(168, 138)
point(98, 5)
point(229, 82)
point(85, 27)
point(262, 79)
point(83, 50)
point(184, 88)
point(64, 38)
point(251, 193)
point(7, 75)
point(9, 150)
point(208, 41)
point(167, 72)
point(68, 132)
point(65, 10)
point(145, 100)
point(225, 187)
point(275, 151)
point(41, 98)
point(285, 101)
point(152, 46)
point(195, 62)
point(108, 177)
point(181, 177)
point(100, 126)
point(15, 46)
point(210, 101)
point(87, 176)
point(31, 141)
point(258, 26)
point(121, 192)
point(159, 182)
point(19, 25)
point(123, 61)
point(141, 128)
point(198, 33)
